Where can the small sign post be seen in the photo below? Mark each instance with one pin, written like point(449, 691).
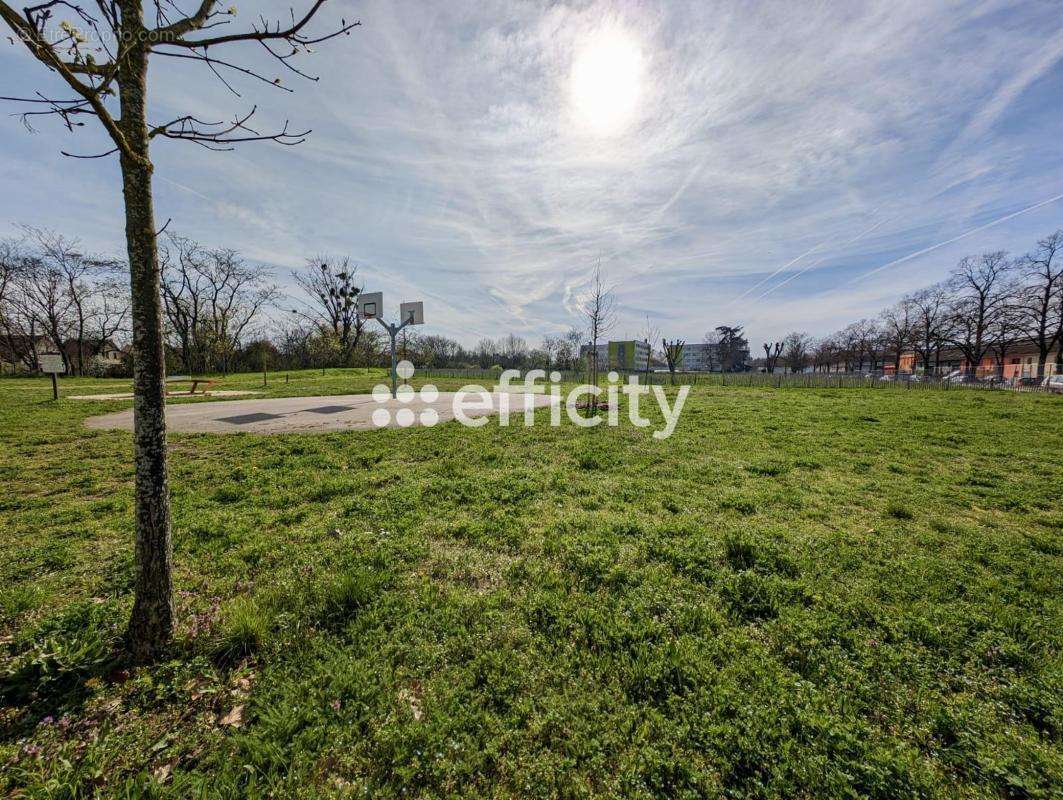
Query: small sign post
point(52, 364)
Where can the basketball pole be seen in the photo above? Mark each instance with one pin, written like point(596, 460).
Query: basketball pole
point(393, 332)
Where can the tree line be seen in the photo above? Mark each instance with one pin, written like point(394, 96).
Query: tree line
point(988, 307)
point(221, 314)
point(53, 291)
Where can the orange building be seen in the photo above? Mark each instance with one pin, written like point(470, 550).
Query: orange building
point(1020, 361)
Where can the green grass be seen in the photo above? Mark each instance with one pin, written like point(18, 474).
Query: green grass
point(802, 593)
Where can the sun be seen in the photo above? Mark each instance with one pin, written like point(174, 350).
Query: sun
point(605, 84)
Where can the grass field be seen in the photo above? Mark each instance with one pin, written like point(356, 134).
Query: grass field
point(802, 594)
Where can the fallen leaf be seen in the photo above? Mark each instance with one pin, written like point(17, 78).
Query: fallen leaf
point(162, 773)
point(235, 718)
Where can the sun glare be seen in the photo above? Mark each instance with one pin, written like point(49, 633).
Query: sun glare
point(606, 82)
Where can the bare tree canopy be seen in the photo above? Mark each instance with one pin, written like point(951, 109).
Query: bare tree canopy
point(979, 287)
point(599, 309)
point(54, 295)
point(673, 355)
point(898, 329)
point(989, 306)
point(771, 355)
point(1041, 303)
point(213, 300)
point(331, 288)
point(795, 350)
point(932, 323)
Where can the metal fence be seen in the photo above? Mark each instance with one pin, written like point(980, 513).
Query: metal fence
point(778, 380)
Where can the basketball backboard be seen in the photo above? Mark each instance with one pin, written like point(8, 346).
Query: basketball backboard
point(371, 305)
point(412, 312)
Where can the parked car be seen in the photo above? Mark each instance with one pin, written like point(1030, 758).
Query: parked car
point(1053, 383)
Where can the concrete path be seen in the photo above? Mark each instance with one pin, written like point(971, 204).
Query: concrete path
point(320, 414)
point(129, 395)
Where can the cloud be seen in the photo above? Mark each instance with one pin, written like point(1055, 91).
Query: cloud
point(779, 147)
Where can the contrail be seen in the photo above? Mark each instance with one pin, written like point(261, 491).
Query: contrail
point(785, 266)
point(964, 235)
point(789, 264)
point(819, 261)
point(186, 188)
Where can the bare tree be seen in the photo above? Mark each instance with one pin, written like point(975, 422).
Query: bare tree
point(868, 344)
point(212, 298)
point(600, 310)
point(845, 341)
point(649, 334)
point(85, 286)
point(550, 346)
point(117, 81)
point(570, 347)
point(17, 326)
point(182, 294)
point(898, 330)
point(1005, 330)
point(713, 362)
point(979, 284)
point(110, 314)
point(673, 355)
point(236, 293)
point(1042, 306)
point(795, 350)
point(932, 322)
point(332, 288)
point(42, 288)
point(296, 344)
point(1059, 333)
point(513, 350)
point(485, 352)
point(824, 353)
point(771, 356)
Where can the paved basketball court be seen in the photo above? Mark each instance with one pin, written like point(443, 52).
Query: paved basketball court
point(129, 395)
point(317, 414)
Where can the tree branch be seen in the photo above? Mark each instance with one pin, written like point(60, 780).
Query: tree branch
point(186, 25)
point(290, 33)
point(196, 130)
point(43, 52)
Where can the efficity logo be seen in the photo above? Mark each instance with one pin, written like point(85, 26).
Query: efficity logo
point(405, 416)
point(474, 405)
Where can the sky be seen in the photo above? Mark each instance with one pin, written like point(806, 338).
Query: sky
point(780, 165)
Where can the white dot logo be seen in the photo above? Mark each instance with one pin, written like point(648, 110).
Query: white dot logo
point(405, 397)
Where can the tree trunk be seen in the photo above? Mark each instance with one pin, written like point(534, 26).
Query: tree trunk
point(151, 623)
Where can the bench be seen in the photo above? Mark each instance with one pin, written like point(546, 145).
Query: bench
point(196, 382)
